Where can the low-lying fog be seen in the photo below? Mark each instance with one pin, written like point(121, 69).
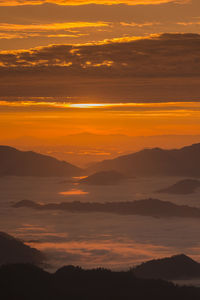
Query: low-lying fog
point(97, 239)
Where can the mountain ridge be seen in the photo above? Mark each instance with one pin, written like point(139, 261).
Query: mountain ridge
point(14, 250)
point(25, 281)
point(29, 163)
point(156, 162)
point(176, 267)
point(182, 187)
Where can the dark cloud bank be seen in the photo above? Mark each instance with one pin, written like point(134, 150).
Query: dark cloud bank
point(167, 65)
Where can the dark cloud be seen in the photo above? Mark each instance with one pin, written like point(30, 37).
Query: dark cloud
point(163, 55)
point(91, 69)
point(78, 2)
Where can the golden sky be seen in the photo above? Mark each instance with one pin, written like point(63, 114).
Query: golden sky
point(78, 2)
point(25, 24)
point(57, 119)
point(102, 66)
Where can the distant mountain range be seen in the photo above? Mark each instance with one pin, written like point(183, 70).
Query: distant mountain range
point(148, 162)
point(156, 162)
point(147, 207)
point(182, 187)
point(13, 250)
point(20, 163)
point(170, 268)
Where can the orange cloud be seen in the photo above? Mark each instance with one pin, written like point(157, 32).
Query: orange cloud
point(140, 25)
point(53, 26)
point(50, 30)
point(158, 106)
point(126, 56)
point(80, 2)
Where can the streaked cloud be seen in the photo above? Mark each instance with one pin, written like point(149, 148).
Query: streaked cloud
point(78, 2)
point(50, 23)
point(133, 24)
point(58, 30)
point(47, 27)
point(68, 32)
point(119, 69)
point(155, 55)
point(112, 110)
point(70, 106)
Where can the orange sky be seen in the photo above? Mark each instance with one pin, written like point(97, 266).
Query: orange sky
point(135, 62)
point(41, 119)
point(30, 23)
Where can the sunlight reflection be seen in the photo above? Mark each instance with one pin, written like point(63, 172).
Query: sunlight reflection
point(74, 192)
point(79, 177)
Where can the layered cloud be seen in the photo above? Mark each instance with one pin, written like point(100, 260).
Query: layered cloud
point(71, 30)
point(156, 55)
point(24, 26)
point(78, 2)
point(129, 67)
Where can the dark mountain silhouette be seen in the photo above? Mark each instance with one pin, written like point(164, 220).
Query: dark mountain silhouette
point(184, 187)
point(14, 251)
point(27, 282)
point(103, 178)
point(20, 163)
point(147, 207)
point(175, 267)
point(156, 162)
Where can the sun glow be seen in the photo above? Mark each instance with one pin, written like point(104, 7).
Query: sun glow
point(53, 118)
point(88, 105)
point(73, 192)
point(63, 104)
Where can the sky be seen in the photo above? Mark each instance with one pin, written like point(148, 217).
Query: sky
point(106, 67)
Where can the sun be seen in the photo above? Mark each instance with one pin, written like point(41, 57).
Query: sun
point(86, 105)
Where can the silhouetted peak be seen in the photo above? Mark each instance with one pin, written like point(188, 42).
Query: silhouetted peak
point(156, 162)
point(15, 251)
point(24, 203)
point(7, 148)
point(182, 258)
point(186, 186)
point(28, 163)
point(175, 267)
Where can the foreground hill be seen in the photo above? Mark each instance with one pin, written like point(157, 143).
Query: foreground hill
point(103, 178)
point(175, 267)
point(14, 251)
point(20, 163)
point(184, 187)
point(156, 162)
point(26, 282)
point(147, 207)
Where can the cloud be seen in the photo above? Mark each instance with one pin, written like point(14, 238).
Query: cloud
point(156, 55)
point(79, 2)
point(49, 30)
point(111, 68)
point(90, 253)
point(47, 27)
point(50, 23)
